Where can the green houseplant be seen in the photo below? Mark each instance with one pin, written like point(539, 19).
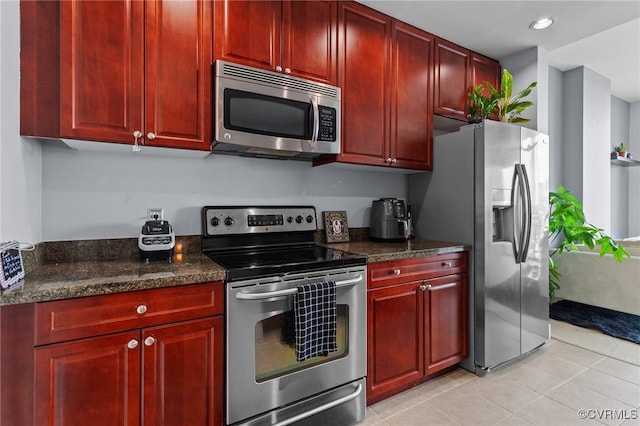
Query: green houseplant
point(568, 226)
point(620, 150)
point(503, 104)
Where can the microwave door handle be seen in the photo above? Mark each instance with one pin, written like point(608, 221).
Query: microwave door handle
point(316, 121)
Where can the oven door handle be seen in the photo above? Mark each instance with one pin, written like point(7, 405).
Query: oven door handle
point(290, 291)
point(335, 403)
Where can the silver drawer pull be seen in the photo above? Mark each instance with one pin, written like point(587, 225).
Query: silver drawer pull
point(290, 291)
point(132, 344)
point(446, 264)
point(149, 341)
point(335, 403)
point(141, 309)
point(396, 271)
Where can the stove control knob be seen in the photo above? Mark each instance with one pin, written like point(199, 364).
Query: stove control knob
point(290, 219)
point(215, 221)
point(309, 219)
point(228, 221)
point(298, 219)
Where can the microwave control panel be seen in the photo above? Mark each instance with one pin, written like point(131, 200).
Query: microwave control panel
point(327, 118)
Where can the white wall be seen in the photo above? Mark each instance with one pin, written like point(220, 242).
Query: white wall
point(20, 160)
point(526, 67)
point(634, 172)
point(620, 184)
point(587, 142)
point(555, 129)
point(88, 195)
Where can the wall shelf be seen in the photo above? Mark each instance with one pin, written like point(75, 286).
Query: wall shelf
point(625, 162)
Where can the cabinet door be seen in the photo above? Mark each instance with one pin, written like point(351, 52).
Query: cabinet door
point(451, 80)
point(178, 77)
point(411, 95)
point(182, 373)
point(101, 69)
point(445, 322)
point(89, 382)
point(248, 32)
point(363, 73)
point(310, 39)
point(484, 69)
point(394, 339)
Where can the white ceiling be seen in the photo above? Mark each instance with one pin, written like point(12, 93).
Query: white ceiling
point(601, 35)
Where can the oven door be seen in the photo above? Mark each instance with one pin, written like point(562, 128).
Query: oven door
point(263, 374)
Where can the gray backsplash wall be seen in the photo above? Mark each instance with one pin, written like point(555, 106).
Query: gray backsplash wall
point(88, 195)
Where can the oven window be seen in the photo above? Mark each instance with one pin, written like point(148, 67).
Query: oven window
point(266, 115)
point(276, 357)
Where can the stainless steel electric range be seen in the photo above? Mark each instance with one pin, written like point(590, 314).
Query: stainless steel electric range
point(269, 253)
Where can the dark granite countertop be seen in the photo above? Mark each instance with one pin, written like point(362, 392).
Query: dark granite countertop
point(384, 251)
point(63, 270)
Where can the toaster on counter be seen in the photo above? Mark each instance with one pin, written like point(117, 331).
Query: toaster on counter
point(156, 241)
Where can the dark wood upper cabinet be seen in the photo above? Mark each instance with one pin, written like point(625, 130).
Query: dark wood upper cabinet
point(384, 71)
point(102, 70)
point(411, 94)
point(485, 69)
point(457, 71)
point(451, 80)
point(293, 37)
point(125, 66)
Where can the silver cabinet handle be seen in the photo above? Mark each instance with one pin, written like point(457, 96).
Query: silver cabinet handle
point(425, 287)
point(396, 271)
point(394, 160)
point(151, 136)
point(149, 341)
point(137, 135)
point(290, 291)
point(132, 344)
point(446, 264)
point(388, 160)
point(278, 68)
point(141, 309)
point(287, 70)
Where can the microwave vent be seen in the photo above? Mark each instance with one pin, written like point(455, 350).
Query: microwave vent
point(231, 70)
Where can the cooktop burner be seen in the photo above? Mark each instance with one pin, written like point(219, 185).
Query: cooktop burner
point(251, 242)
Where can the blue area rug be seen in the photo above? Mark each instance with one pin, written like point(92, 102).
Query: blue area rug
point(617, 324)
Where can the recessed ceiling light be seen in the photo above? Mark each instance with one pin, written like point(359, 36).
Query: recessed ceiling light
point(542, 23)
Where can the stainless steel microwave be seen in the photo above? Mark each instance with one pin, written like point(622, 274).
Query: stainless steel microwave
point(268, 114)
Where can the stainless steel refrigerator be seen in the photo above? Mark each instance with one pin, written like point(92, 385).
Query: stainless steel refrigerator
point(489, 189)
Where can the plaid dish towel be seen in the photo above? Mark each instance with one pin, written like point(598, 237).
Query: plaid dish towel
point(315, 313)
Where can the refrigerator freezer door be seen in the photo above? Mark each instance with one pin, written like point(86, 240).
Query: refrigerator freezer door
point(535, 272)
point(497, 275)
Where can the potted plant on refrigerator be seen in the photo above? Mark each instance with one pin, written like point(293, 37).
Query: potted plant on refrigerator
point(503, 104)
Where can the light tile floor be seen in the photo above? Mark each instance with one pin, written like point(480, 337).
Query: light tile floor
point(555, 385)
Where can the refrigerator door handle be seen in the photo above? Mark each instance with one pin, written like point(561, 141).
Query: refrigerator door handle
point(521, 202)
point(524, 179)
point(515, 186)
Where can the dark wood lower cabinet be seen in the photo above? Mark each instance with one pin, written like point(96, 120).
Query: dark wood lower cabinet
point(93, 381)
point(149, 357)
point(417, 321)
point(162, 375)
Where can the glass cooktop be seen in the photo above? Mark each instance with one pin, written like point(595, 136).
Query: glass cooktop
point(254, 263)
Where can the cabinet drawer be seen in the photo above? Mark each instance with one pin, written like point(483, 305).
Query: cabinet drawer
point(417, 268)
point(63, 320)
